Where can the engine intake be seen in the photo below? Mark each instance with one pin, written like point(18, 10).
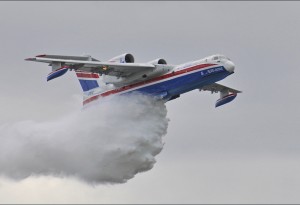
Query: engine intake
point(160, 61)
point(124, 58)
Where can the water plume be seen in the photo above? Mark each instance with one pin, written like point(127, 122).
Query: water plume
point(109, 142)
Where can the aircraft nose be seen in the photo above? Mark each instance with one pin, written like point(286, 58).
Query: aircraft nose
point(229, 66)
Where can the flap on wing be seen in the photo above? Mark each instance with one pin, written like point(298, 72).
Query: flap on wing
point(116, 69)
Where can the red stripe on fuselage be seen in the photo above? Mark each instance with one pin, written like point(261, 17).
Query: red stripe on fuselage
point(87, 75)
point(159, 78)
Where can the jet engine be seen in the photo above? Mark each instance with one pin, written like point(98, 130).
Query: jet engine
point(158, 70)
point(124, 58)
point(160, 61)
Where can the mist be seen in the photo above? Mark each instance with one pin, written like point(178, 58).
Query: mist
point(108, 142)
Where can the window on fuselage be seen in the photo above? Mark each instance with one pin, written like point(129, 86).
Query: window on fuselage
point(223, 57)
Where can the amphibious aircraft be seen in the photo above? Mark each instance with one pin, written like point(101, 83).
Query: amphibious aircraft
point(121, 75)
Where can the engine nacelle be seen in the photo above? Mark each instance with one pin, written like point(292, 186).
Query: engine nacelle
point(160, 61)
point(158, 70)
point(124, 58)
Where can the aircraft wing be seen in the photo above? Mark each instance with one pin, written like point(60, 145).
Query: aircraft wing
point(226, 94)
point(93, 65)
point(215, 88)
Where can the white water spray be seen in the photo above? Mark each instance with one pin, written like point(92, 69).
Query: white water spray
point(108, 142)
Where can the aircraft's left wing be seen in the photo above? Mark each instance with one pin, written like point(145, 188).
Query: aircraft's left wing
point(92, 65)
point(226, 94)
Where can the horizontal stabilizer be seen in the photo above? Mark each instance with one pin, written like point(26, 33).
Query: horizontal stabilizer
point(57, 73)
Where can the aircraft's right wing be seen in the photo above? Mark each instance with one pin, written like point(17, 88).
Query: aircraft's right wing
point(226, 94)
point(92, 65)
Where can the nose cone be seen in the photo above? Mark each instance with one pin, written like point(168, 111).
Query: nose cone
point(229, 66)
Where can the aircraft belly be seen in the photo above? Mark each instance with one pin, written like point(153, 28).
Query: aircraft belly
point(170, 88)
point(182, 84)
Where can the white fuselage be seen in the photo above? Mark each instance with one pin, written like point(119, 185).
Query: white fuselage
point(167, 81)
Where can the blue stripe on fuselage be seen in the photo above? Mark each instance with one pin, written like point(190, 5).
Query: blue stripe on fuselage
point(185, 83)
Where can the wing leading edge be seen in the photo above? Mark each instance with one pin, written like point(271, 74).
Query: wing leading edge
point(90, 64)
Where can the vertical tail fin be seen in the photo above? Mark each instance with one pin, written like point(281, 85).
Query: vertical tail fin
point(87, 80)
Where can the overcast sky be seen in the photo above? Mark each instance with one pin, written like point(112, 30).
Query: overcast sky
point(247, 151)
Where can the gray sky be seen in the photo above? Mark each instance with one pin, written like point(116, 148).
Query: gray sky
point(244, 152)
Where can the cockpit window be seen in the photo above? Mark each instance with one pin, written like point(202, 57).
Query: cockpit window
point(220, 57)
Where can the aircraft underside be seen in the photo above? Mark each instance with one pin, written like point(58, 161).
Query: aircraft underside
point(180, 85)
point(169, 89)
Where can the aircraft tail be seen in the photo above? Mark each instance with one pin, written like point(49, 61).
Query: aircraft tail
point(87, 80)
